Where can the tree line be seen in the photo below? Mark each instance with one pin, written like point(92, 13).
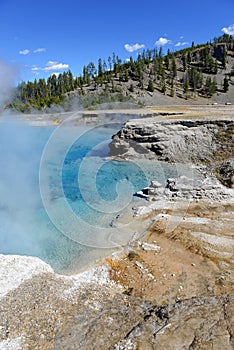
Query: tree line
point(196, 67)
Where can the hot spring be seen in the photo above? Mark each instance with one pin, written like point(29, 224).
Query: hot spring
point(59, 192)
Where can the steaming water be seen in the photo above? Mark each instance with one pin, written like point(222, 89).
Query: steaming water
point(26, 228)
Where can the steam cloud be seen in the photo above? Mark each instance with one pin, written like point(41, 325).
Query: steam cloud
point(7, 76)
point(19, 192)
point(20, 149)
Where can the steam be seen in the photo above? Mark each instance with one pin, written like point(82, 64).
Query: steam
point(7, 76)
point(20, 154)
point(19, 192)
point(18, 163)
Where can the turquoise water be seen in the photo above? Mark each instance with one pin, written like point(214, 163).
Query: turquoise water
point(82, 192)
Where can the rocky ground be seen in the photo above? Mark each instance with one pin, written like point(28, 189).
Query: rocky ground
point(195, 140)
point(171, 288)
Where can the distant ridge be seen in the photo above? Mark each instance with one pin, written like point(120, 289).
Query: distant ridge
point(197, 74)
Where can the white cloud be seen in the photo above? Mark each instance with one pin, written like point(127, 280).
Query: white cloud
point(50, 66)
point(134, 47)
point(183, 43)
point(162, 41)
point(54, 65)
point(228, 30)
point(35, 68)
point(24, 52)
point(40, 49)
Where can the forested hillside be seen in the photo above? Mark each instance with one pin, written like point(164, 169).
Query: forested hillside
point(200, 71)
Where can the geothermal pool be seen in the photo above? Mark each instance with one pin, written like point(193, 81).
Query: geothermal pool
point(59, 193)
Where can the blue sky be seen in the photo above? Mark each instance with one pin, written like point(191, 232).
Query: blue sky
point(44, 37)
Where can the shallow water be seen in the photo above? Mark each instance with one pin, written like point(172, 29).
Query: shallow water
point(82, 192)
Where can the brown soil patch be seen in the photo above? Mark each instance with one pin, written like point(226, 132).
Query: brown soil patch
point(186, 266)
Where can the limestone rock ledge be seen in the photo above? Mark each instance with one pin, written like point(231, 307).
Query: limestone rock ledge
point(179, 140)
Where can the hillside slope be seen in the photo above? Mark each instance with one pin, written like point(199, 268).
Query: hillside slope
point(199, 75)
point(168, 87)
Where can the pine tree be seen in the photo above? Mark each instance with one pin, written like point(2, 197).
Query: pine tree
point(65, 82)
point(166, 61)
point(141, 83)
point(214, 85)
point(70, 81)
point(189, 58)
point(131, 88)
point(110, 63)
point(226, 84)
point(91, 70)
point(60, 84)
point(125, 75)
point(41, 89)
point(53, 85)
point(85, 75)
point(148, 55)
point(155, 65)
point(164, 88)
point(100, 68)
point(172, 92)
point(160, 54)
point(174, 67)
point(150, 87)
point(184, 60)
point(104, 66)
point(210, 86)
